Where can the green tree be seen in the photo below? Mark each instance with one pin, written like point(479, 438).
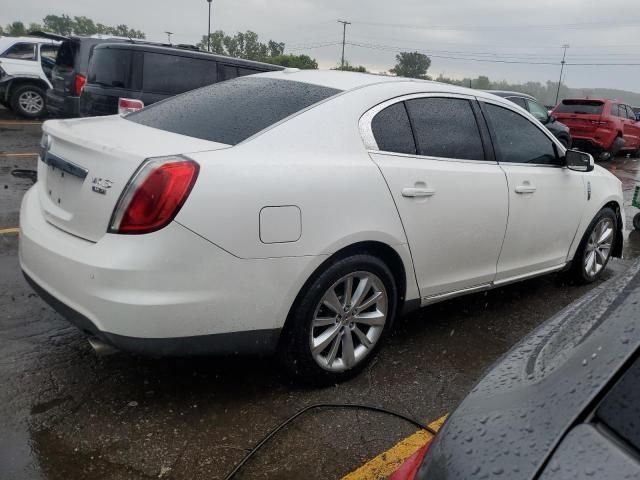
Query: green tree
point(412, 65)
point(482, 83)
point(245, 45)
point(84, 26)
point(303, 62)
point(60, 24)
point(34, 27)
point(16, 29)
point(347, 67)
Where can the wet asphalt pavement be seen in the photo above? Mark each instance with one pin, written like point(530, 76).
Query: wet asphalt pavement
point(67, 414)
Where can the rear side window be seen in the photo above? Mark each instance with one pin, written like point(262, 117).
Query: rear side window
point(392, 130)
point(174, 74)
point(585, 107)
point(21, 51)
point(446, 128)
point(517, 139)
point(110, 67)
point(49, 51)
point(230, 112)
point(620, 409)
point(616, 110)
point(67, 54)
point(518, 101)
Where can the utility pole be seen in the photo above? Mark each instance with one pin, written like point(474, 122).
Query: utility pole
point(564, 56)
point(344, 36)
point(209, 30)
point(169, 36)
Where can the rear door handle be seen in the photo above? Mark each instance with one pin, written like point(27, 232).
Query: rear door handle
point(418, 192)
point(526, 187)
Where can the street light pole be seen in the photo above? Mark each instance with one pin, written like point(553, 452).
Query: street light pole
point(564, 56)
point(169, 36)
point(209, 30)
point(344, 35)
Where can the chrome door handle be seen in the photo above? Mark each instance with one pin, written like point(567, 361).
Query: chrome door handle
point(418, 192)
point(526, 188)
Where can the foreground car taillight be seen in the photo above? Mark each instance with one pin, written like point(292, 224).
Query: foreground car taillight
point(410, 467)
point(80, 81)
point(128, 105)
point(154, 195)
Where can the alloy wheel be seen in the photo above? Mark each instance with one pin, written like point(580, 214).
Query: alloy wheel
point(31, 102)
point(348, 321)
point(598, 247)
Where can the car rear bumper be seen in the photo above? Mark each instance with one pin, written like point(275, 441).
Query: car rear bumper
point(168, 292)
point(67, 106)
point(598, 141)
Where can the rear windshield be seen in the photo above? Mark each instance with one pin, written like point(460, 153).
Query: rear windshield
point(110, 67)
point(585, 107)
point(67, 54)
point(232, 111)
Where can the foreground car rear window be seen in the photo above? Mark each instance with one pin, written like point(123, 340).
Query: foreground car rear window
point(232, 111)
point(585, 107)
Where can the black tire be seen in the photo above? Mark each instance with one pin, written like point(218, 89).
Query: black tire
point(616, 146)
point(578, 269)
point(30, 91)
point(295, 344)
point(636, 221)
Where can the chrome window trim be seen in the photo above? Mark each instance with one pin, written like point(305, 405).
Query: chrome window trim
point(366, 132)
point(426, 157)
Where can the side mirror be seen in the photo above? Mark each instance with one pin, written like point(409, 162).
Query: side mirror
point(552, 119)
point(637, 117)
point(579, 161)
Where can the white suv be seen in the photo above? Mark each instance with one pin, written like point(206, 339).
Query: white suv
point(25, 68)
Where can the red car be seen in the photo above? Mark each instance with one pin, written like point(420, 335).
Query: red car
point(604, 127)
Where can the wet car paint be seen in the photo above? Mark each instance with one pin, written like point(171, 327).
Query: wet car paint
point(65, 413)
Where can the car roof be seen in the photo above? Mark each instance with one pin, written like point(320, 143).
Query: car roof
point(7, 41)
point(507, 93)
point(345, 81)
point(184, 51)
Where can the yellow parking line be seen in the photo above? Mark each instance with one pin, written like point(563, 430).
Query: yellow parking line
point(18, 122)
point(20, 154)
point(388, 462)
point(8, 231)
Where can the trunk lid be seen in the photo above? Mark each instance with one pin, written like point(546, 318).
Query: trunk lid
point(583, 117)
point(89, 162)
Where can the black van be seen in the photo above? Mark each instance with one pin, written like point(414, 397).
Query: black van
point(150, 73)
point(70, 73)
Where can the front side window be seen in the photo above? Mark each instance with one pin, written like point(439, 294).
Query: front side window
point(230, 112)
point(517, 140)
point(445, 128)
point(21, 51)
point(392, 130)
point(538, 111)
point(630, 113)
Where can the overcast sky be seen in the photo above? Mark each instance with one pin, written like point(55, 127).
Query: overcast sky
point(506, 30)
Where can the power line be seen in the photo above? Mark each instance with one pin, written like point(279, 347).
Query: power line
point(574, 26)
point(471, 58)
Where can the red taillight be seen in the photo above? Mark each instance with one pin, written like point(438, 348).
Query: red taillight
point(128, 105)
point(154, 196)
point(410, 467)
point(80, 81)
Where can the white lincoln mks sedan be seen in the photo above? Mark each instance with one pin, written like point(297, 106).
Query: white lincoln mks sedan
point(299, 212)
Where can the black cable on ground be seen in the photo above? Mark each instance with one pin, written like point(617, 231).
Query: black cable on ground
point(354, 406)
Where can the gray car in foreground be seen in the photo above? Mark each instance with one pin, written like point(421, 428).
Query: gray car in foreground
point(564, 403)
